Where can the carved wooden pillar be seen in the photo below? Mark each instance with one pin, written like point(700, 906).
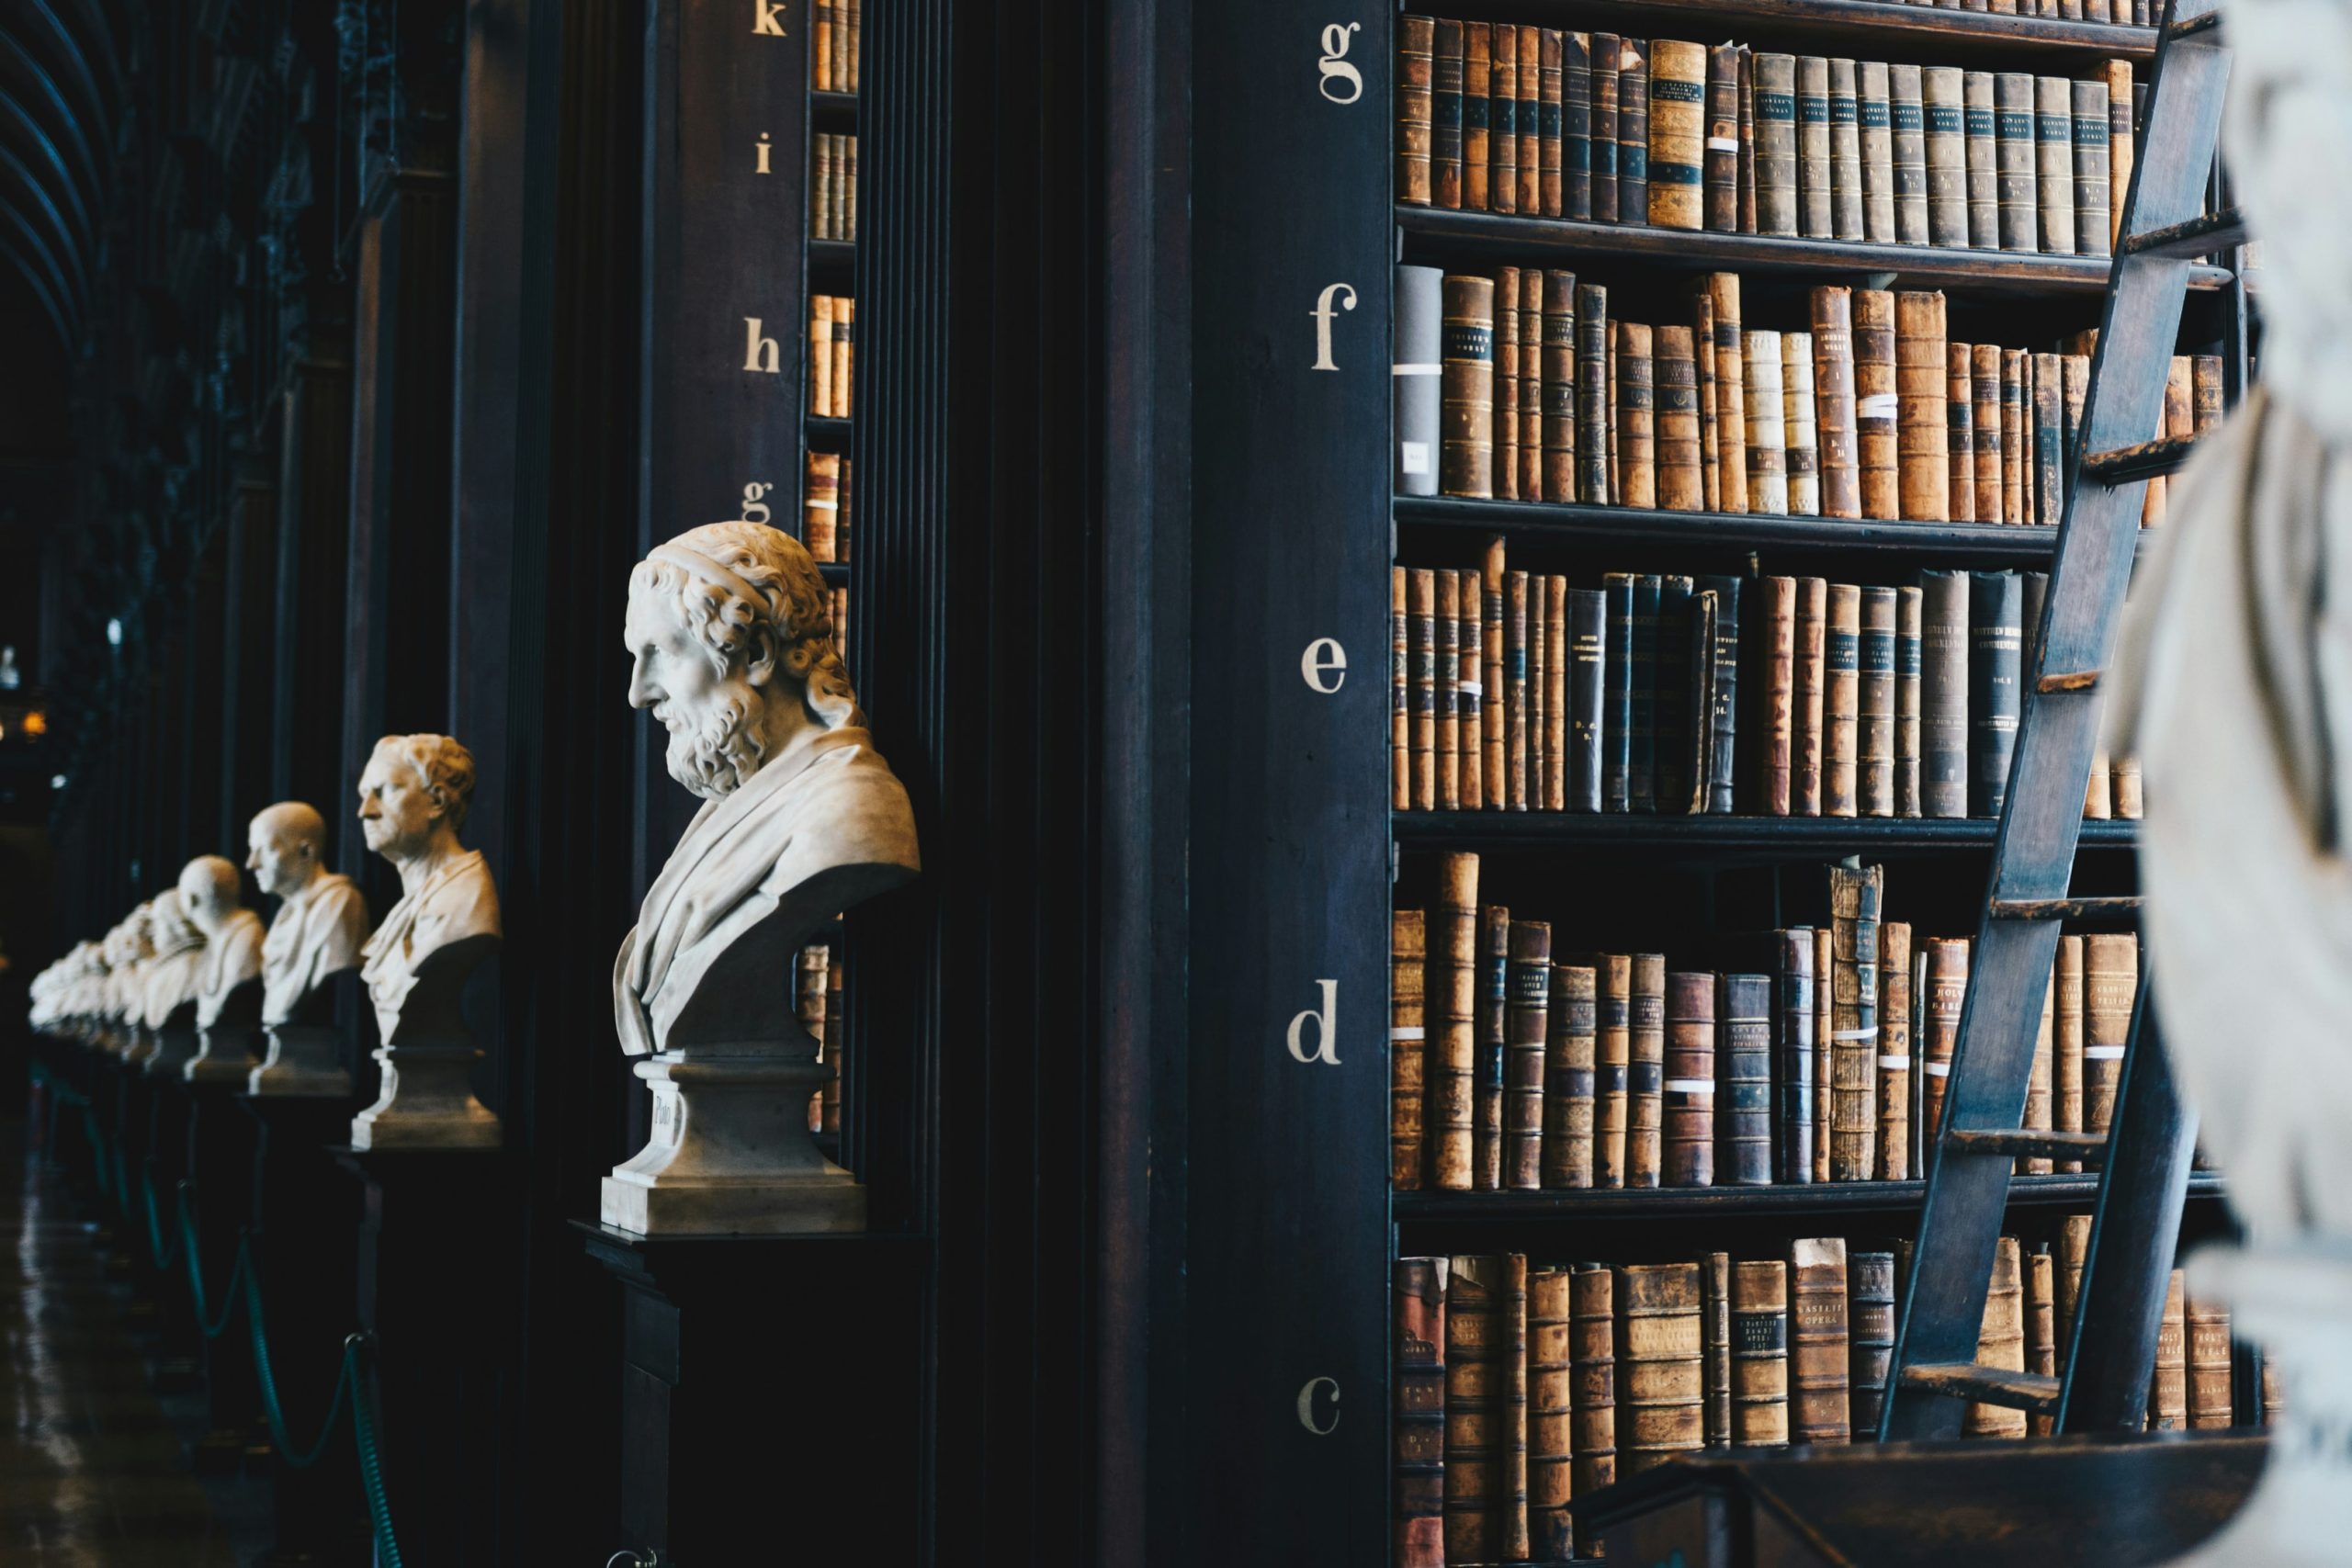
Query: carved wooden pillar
point(249, 655)
point(312, 576)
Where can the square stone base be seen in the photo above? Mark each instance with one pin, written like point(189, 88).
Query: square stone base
point(742, 1207)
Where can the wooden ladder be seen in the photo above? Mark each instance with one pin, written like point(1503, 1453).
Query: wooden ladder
point(2144, 1159)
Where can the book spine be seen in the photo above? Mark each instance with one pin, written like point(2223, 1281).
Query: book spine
point(2073, 1251)
point(1731, 394)
point(1466, 387)
point(2110, 984)
point(1556, 694)
point(820, 47)
point(1723, 138)
point(1470, 686)
point(1510, 1533)
point(1408, 1034)
point(1592, 1343)
point(1702, 355)
point(1776, 144)
point(1833, 400)
point(1947, 991)
point(1637, 466)
point(1960, 432)
point(1943, 108)
point(2053, 162)
point(1515, 688)
point(1525, 1030)
point(2013, 143)
point(1921, 415)
point(1715, 1328)
point(2093, 232)
point(1985, 389)
point(1632, 133)
point(1473, 1381)
point(1614, 626)
point(821, 506)
point(2119, 148)
point(1613, 1042)
point(1792, 1012)
point(1400, 690)
point(2209, 1366)
point(1690, 1046)
point(1502, 121)
point(1944, 693)
point(1744, 1080)
point(1676, 158)
point(1807, 757)
point(1419, 371)
point(1814, 219)
point(1661, 1406)
point(1592, 394)
point(1798, 426)
point(1420, 607)
point(1539, 691)
point(1532, 345)
point(1906, 104)
point(1841, 703)
point(1641, 727)
point(1604, 58)
point(1478, 69)
point(1877, 403)
point(1723, 723)
point(1531, 144)
point(1747, 140)
point(1575, 125)
point(1874, 707)
point(1491, 717)
point(2040, 1328)
point(2039, 1074)
point(1759, 1353)
point(2127, 788)
point(1819, 1377)
point(2017, 437)
point(2067, 1053)
point(1416, 58)
point(1646, 1072)
point(1445, 114)
point(2205, 394)
point(1551, 1411)
point(1996, 651)
point(1557, 400)
point(1870, 1307)
point(1448, 745)
point(1873, 106)
point(1767, 476)
point(1569, 1078)
point(1587, 657)
point(1845, 154)
point(1680, 485)
point(1671, 710)
point(1854, 898)
point(1421, 1292)
point(1894, 1051)
point(1907, 701)
point(1777, 638)
point(1983, 163)
point(821, 355)
point(2001, 1342)
point(1823, 1030)
point(1452, 988)
point(1509, 384)
point(1493, 1002)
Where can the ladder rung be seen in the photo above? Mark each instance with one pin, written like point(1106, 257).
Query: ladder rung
point(2199, 236)
point(2026, 1142)
point(2125, 465)
point(2192, 26)
point(2065, 908)
point(2071, 681)
point(1987, 1386)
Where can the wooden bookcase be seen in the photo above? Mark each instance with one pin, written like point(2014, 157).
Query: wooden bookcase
point(1295, 858)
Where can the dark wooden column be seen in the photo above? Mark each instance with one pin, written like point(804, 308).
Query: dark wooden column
point(313, 571)
point(249, 656)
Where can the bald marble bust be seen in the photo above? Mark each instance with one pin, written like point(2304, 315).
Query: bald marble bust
point(321, 916)
point(412, 800)
point(169, 991)
point(212, 896)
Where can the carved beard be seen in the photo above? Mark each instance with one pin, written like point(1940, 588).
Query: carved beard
point(715, 756)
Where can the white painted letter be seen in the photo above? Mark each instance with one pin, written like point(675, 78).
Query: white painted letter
point(1335, 67)
point(1323, 656)
point(1322, 314)
point(753, 504)
point(759, 354)
point(1326, 1017)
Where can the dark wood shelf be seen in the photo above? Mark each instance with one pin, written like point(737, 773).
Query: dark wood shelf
point(1487, 236)
point(836, 575)
point(827, 434)
point(838, 111)
point(1764, 836)
point(1426, 1209)
point(1532, 522)
point(1870, 25)
point(832, 258)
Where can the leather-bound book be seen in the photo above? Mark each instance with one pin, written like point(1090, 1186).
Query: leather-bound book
point(1680, 483)
point(1689, 1099)
point(2013, 143)
point(1906, 99)
point(1569, 1078)
point(1408, 955)
point(1833, 399)
point(1558, 400)
point(2037, 1114)
point(1776, 632)
point(1702, 354)
point(1592, 395)
point(2127, 788)
point(821, 355)
point(1894, 1051)
point(2066, 1060)
point(1530, 122)
point(1605, 54)
point(1823, 1030)
point(1613, 1044)
point(2098, 795)
point(1797, 425)
point(821, 503)
point(2001, 1342)
point(1678, 127)
point(1776, 144)
point(1759, 1353)
point(2168, 1388)
point(1633, 132)
point(1944, 105)
point(2016, 438)
point(1510, 1535)
point(1420, 1290)
point(1491, 717)
point(1646, 1072)
point(1984, 162)
point(1477, 69)
point(1452, 991)
point(2049, 409)
point(2093, 232)
point(1508, 383)
point(1714, 1333)
point(2118, 143)
point(1985, 392)
point(1906, 701)
point(1526, 1013)
point(1470, 686)
point(1418, 364)
point(1947, 991)
point(1400, 690)
point(1874, 662)
point(1466, 387)
point(820, 50)
point(844, 355)
point(1551, 1416)
point(1641, 729)
point(1502, 121)
point(2040, 1327)
point(1747, 140)
point(2053, 163)
point(1995, 652)
point(1723, 717)
point(1808, 694)
point(1613, 628)
point(1416, 60)
point(1731, 394)
point(1814, 220)
point(1722, 170)
point(1793, 1047)
point(1661, 1407)
point(1448, 744)
point(1515, 687)
point(2073, 1251)
point(2111, 982)
point(1556, 694)
point(1869, 1310)
point(1532, 345)
point(1841, 705)
point(2209, 1365)
point(1636, 465)
point(1944, 694)
point(1420, 625)
point(1854, 899)
point(1876, 404)
point(1487, 1072)
point(1474, 1384)
point(2205, 393)
point(1922, 415)
point(2272, 1393)
point(1873, 106)
point(1587, 676)
point(1767, 471)
point(1592, 1342)
point(1818, 1374)
point(1744, 1080)
point(1575, 125)
point(1844, 152)
point(1671, 710)
point(1445, 115)
point(1960, 432)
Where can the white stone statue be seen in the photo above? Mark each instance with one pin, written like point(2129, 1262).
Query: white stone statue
point(130, 948)
point(227, 985)
point(732, 651)
point(413, 801)
point(320, 926)
point(2234, 685)
point(167, 1032)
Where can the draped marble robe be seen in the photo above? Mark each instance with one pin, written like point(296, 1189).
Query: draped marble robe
point(458, 901)
point(319, 931)
point(231, 959)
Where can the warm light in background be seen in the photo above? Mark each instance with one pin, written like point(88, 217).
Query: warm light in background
point(36, 723)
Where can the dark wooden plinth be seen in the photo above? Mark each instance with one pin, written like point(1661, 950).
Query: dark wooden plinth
point(2108, 1502)
point(769, 1394)
point(218, 1168)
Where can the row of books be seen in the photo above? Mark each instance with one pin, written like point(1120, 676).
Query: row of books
point(1516, 1068)
point(817, 1003)
point(830, 319)
point(1518, 1390)
point(824, 507)
point(1543, 122)
point(2126, 13)
point(832, 46)
point(1511, 691)
point(832, 190)
point(1522, 386)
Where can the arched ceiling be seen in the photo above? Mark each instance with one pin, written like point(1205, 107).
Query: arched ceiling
point(61, 108)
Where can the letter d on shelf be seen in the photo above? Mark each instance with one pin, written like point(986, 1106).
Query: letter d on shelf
point(1324, 1017)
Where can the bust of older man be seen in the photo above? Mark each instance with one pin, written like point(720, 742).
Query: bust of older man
point(212, 898)
point(321, 916)
point(412, 800)
point(168, 991)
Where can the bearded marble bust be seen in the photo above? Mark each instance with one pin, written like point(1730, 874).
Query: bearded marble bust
point(412, 800)
point(321, 916)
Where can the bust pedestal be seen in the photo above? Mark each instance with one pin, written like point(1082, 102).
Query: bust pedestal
point(302, 1060)
point(428, 1096)
point(224, 1054)
point(730, 1151)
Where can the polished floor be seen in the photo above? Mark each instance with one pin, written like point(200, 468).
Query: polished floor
point(92, 1472)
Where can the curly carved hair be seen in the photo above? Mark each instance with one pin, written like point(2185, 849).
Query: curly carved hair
point(791, 614)
point(444, 767)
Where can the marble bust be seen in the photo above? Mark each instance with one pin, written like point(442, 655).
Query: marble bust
point(168, 991)
point(413, 796)
point(228, 983)
point(731, 651)
point(321, 916)
point(131, 947)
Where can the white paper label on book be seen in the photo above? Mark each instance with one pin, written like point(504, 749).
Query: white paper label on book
point(1897, 1063)
point(1413, 1033)
point(1878, 405)
point(1937, 1069)
point(1413, 457)
point(1470, 688)
point(2102, 1053)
